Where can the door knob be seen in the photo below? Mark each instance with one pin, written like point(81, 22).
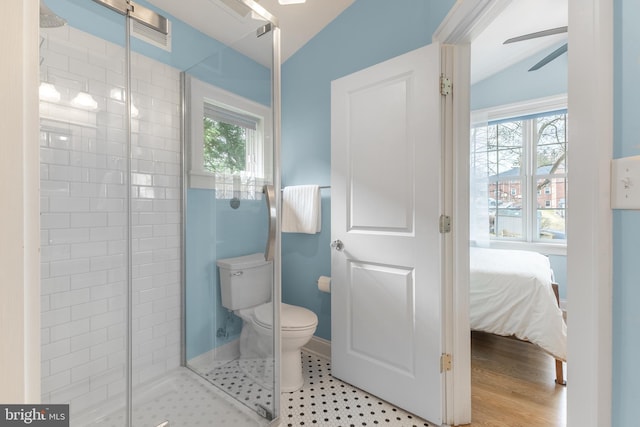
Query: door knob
point(337, 245)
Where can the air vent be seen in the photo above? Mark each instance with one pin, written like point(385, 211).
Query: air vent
point(151, 36)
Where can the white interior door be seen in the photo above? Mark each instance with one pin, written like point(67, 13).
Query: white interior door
point(386, 302)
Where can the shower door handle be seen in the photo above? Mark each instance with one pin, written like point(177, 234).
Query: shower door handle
point(273, 217)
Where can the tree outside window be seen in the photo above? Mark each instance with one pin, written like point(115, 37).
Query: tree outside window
point(225, 147)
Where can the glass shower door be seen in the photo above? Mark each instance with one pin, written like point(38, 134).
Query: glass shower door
point(84, 221)
point(132, 326)
point(230, 158)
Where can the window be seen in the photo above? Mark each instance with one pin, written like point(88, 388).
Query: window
point(519, 162)
point(230, 149)
point(230, 141)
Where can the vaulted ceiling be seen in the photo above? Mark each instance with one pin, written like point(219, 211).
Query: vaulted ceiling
point(301, 22)
point(298, 22)
point(488, 53)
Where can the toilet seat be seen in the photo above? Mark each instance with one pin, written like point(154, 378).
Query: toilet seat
point(292, 317)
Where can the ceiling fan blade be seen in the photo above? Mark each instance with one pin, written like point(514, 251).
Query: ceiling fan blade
point(544, 33)
point(553, 55)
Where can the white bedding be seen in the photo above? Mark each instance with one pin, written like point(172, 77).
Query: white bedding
point(511, 294)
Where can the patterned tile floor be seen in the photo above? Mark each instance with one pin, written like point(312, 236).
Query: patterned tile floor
point(187, 400)
point(231, 378)
point(328, 402)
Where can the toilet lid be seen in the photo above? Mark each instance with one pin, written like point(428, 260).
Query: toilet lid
point(291, 317)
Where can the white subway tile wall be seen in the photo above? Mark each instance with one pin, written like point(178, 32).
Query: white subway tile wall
point(83, 219)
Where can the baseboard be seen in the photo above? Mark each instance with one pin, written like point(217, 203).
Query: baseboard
point(226, 352)
point(319, 346)
point(231, 351)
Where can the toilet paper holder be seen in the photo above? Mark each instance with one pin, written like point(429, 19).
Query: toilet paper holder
point(324, 284)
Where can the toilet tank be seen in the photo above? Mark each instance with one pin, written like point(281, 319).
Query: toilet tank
point(245, 281)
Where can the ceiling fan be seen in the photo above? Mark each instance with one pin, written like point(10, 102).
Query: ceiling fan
point(553, 55)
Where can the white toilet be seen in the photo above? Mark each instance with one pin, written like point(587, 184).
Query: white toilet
point(246, 283)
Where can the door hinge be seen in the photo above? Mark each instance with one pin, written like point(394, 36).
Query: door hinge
point(445, 224)
point(445, 362)
point(445, 85)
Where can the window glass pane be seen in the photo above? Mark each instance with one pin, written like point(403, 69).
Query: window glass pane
point(551, 208)
point(506, 139)
point(484, 157)
point(551, 144)
point(551, 159)
point(551, 129)
point(491, 166)
point(509, 161)
point(479, 162)
point(225, 146)
point(500, 163)
point(487, 164)
point(493, 196)
point(509, 134)
point(505, 213)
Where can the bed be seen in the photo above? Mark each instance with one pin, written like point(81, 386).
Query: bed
point(512, 294)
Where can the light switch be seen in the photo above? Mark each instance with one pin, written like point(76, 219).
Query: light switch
point(625, 183)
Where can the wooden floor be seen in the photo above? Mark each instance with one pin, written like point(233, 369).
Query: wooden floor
point(512, 384)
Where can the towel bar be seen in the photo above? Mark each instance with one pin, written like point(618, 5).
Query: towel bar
point(321, 187)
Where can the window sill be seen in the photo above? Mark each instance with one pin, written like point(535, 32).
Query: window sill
point(202, 179)
point(541, 247)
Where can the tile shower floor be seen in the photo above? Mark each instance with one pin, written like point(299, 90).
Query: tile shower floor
point(185, 400)
point(323, 401)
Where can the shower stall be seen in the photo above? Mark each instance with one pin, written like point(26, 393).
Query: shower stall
point(159, 131)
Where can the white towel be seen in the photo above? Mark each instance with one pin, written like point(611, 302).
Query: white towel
point(301, 209)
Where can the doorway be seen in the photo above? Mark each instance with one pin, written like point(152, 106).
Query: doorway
point(518, 187)
point(589, 402)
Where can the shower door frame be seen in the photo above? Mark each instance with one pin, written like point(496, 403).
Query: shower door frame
point(185, 134)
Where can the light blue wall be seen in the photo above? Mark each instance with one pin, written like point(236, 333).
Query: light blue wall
point(626, 224)
point(215, 231)
point(559, 266)
point(516, 84)
point(202, 295)
point(368, 32)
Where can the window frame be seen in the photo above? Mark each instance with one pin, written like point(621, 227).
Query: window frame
point(515, 110)
point(201, 93)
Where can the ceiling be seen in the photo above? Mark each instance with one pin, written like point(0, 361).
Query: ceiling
point(489, 55)
point(301, 22)
point(298, 22)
